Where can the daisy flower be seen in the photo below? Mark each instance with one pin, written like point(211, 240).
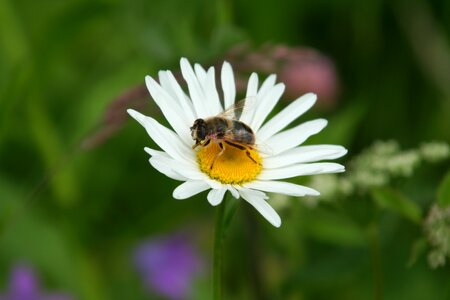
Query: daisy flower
point(219, 167)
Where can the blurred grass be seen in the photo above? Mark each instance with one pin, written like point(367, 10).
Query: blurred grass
point(77, 214)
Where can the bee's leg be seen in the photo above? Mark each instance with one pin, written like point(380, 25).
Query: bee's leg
point(240, 147)
point(196, 144)
point(217, 155)
point(206, 143)
point(249, 156)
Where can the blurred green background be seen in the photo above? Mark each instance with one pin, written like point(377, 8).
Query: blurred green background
point(76, 213)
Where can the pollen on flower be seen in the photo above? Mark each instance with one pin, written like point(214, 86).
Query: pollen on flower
point(233, 166)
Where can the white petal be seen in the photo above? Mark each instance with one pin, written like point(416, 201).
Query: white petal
point(267, 85)
point(266, 105)
point(154, 152)
point(161, 161)
point(211, 94)
point(165, 169)
point(304, 154)
point(207, 83)
point(189, 189)
point(183, 100)
point(185, 169)
point(282, 187)
point(300, 170)
point(170, 109)
point(233, 191)
point(228, 85)
point(215, 197)
point(200, 72)
point(255, 193)
point(166, 85)
point(252, 90)
point(261, 205)
point(290, 138)
point(252, 87)
point(195, 91)
point(164, 137)
point(286, 116)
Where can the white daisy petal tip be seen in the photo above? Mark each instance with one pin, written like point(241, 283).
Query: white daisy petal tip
point(131, 112)
point(258, 200)
point(322, 123)
point(149, 151)
point(226, 65)
point(137, 116)
point(215, 196)
point(313, 192)
point(177, 196)
point(150, 83)
point(189, 189)
point(274, 218)
point(184, 61)
point(310, 99)
point(311, 96)
point(277, 223)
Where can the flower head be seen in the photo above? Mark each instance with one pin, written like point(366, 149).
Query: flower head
point(225, 158)
point(168, 265)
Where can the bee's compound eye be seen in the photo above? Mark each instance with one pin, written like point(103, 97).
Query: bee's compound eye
point(198, 130)
point(201, 132)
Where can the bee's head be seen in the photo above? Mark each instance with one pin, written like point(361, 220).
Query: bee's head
point(198, 130)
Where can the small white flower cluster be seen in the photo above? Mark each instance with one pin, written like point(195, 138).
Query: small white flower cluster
point(377, 166)
point(382, 161)
point(434, 151)
point(437, 230)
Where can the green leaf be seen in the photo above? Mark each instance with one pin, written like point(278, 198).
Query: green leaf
point(417, 250)
point(344, 124)
point(333, 228)
point(443, 193)
point(395, 201)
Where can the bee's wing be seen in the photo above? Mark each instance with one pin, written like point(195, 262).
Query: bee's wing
point(264, 149)
point(235, 110)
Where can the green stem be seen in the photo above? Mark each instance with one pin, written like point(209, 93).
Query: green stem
point(225, 213)
point(218, 251)
point(377, 272)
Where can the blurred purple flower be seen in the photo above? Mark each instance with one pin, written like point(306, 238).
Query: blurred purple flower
point(168, 265)
point(24, 285)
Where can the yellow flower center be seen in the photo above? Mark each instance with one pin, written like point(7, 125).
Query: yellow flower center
point(232, 166)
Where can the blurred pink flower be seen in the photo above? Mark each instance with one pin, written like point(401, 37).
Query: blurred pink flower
point(306, 70)
point(302, 69)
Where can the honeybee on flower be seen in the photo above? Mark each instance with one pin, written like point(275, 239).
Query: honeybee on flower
point(209, 151)
point(226, 131)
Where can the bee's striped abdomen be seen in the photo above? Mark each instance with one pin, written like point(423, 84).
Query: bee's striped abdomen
point(243, 133)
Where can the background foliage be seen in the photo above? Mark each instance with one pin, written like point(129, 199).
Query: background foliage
point(77, 213)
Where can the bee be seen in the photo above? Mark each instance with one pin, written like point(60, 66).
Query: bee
point(225, 130)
